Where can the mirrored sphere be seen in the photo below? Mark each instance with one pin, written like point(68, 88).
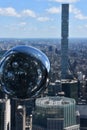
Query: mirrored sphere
point(24, 72)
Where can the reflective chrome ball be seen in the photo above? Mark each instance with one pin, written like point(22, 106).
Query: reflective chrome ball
point(24, 72)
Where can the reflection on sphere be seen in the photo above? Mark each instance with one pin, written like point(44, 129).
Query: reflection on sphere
point(24, 72)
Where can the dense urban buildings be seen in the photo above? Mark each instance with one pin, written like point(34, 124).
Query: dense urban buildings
point(78, 61)
point(71, 83)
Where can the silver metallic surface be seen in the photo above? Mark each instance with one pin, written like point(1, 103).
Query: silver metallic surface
point(24, 72)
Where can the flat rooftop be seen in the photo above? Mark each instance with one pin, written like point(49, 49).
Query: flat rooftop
point(54, 101)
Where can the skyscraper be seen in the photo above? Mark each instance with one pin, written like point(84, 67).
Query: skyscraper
point(64, 41)
point(67, 79)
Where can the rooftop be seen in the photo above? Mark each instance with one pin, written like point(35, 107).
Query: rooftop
point(54, 101)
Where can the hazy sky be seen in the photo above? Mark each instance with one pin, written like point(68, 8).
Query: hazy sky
point(41, 18)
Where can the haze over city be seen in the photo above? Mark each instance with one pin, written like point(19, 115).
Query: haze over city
point(41, 18)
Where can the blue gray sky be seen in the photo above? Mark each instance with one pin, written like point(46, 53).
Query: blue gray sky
point(41, 18)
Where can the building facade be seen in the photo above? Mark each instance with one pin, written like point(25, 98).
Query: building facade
point(70, 88)
point(64, 41)
point(5, 121)
point(54, 113)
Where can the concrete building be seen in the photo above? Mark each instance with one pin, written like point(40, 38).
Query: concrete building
point(5, 121)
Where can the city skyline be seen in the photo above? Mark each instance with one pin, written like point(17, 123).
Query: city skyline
point(41, 18)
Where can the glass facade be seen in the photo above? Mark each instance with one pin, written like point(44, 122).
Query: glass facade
point(54, 108)
point(69, 115)
point(64, 41)
point(72, 87)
